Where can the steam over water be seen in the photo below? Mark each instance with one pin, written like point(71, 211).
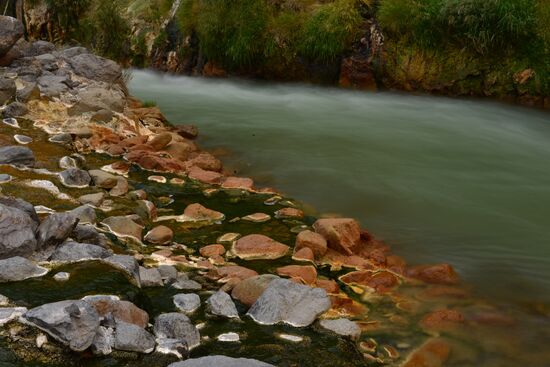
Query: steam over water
point(441, 180)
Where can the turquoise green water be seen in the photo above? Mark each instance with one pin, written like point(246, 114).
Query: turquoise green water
point(465, 182)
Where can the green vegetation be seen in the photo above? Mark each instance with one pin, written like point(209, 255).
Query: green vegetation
point(147, 104)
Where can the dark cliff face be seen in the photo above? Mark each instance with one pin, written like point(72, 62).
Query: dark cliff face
point(358, 44)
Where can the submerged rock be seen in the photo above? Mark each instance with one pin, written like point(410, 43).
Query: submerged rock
point(17, 232)
point(177, 326)
point(343, 327)
point(257, 246)
point(221, 304)
point(73, 323)
point(61, 276)
point(220, 361)
point(22, 139)
point(132, 338)
point(16, 155)
point(18, 268)
point(342, 234)
point(287, 302)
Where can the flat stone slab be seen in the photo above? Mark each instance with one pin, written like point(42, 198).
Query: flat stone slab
point(257, 246)
point(17, 268)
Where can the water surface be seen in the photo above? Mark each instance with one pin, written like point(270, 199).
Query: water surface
point(465, 182)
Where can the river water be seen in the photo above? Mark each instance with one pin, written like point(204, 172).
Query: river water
point(441, 180)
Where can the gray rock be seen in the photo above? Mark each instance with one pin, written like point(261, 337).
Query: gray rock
point(343, 327)
point(22, 139)
point(18, 268)
point(95, 68)
point(132, 338)
point(16, 155)
point(150, 277)
point(74, 177)
point(88, 234)
point(10, 313)
point(104, 341)
point(29, 91)
point(177, 326)
point(174, 347)
point(123, 226)
point(187, 302)
point(186, 285)
point(85, 214)
point(21, 205)
point(7, 90)
point(103, 179)
point(38, 48)
point(67, 162)
point(73, 323)
point(121, 188)
point(102, 116)
point(287, 302)
point(74, 251)
point(52, 85)
point(55, 229)
point(74, 51)
point(61, 276)
point(220, 361)
point(4, 177)
point(15, 109)
point(127, 264)
point(11, 30)
point(98, 98)
point(92, 199)
point(17, 232)
point(168, 273)
point(221, 304)
point(63, 138)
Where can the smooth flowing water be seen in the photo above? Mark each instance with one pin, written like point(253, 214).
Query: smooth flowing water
point(441, 180)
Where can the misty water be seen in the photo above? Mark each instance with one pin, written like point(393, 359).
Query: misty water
point(439, 179)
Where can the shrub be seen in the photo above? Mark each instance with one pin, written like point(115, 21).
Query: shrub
point(111, 32)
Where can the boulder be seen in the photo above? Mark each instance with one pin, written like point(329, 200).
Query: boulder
point(8, 90)
point(98, 98)
point(160, 141)
point(40, 47)
point(55, 229)
point(104, 341)
point(150, 277)
point(343, 327)
point(17, 232)
point(177, 326)
point(168, 272)
point(18, 268)
point(304, 254)
point(241, 183)
point(220, 361)
point(287, 302)
point(112, 307)
point(124, 227)
point(95, 68)
point(73, 323)
point(342, 234)
point(53, 85)
point(257, 246)
point(21, 205)
point(8, 314)
point(132, 338)
point(313, 241)
point(221, 304)
point(16, 155)
point(187, 302)
point(11, 30)
point(127, 264)
point(88, 234)
point(74, 251)
point(159, 235)
point(187, 131)
point(85, 214)
point(74, 177)
point(205, 176)
point(212, 250)
point(249, 290)
point(436, 274)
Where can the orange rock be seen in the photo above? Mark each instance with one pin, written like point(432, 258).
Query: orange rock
point(249, 290)
point(212, 250)
point(342, 234)
point(433, 353)
point(217, 260)
point(308, 274)
point(122, 310)
point(257, 246)
point(441, 319)
point(180, 150)
point(337, 260)
point(343, 306)
point(225, 273)
point(304, 254)
point(159, 141)
point(202, 175)
point(289, 213)
point(381, 281)
point(200, 213)
point(311, 240)
point(437, 274)
point(396, 264)
point(205, 161)
point(242, 183)
point(329, 285)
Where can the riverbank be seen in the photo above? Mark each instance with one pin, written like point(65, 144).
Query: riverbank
point(223, 268)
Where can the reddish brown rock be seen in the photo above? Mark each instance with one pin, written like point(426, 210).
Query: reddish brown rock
point(249, 290)
point(436, 274)
point(212, 70)
point(130, 142)
point(289, 213)
point(225, 273)
point(338, 260)
point(198, 212)
point(433, 353)
point(160, 235)
point(242, 183)
point(328, 285)
point(441, 291)
point(342, 234)
point(202, 175)
point(304, 254)
point(187, 131)
point(180, 150)
point(212, 250)
point(380, 281)
point(396, 264)
point(442, 319)
point(160, 141)
point(257, 246)
point(311, 240)
point(205, 161)
point(115, 150)
point(307, 274)
point(121, 310)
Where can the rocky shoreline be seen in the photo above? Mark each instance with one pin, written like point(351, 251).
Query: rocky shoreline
point(86, 170)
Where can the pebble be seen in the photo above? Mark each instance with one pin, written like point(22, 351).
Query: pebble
point(159, 179)
point(22, 139)
point(4, 177)
point(4, 301)
point(61, 277)
point(228, 337)
point(187, 303)
point(272, 200)
point(41, 339)
point(10, 121)
point(228, 238)
point(257, 218)
point(67, 162)
point(177, 181)
point(292, 338)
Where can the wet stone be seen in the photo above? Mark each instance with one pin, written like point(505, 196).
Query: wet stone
point(17, 268)
point(221, 304)
point(187, 302)
point(64, 138)
point(67, 163)
point(160, 235)
point(92, 199)
point(16, 155)
point(17, 232)
point(74, 177)
point(132, 338)
point(22, 139)
point(249, 290)
point(177, 326)
point(10, 121)
point(257, 246)
point(257, 218)
point(123, 226)
point(10, 313)
point(55, 229)
point(343, 327)
point(74, 251)
point(229, 337)
point(150, 277)
point(4, 178)
point(127, 264)
point(103, 179)
point(158, 179)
